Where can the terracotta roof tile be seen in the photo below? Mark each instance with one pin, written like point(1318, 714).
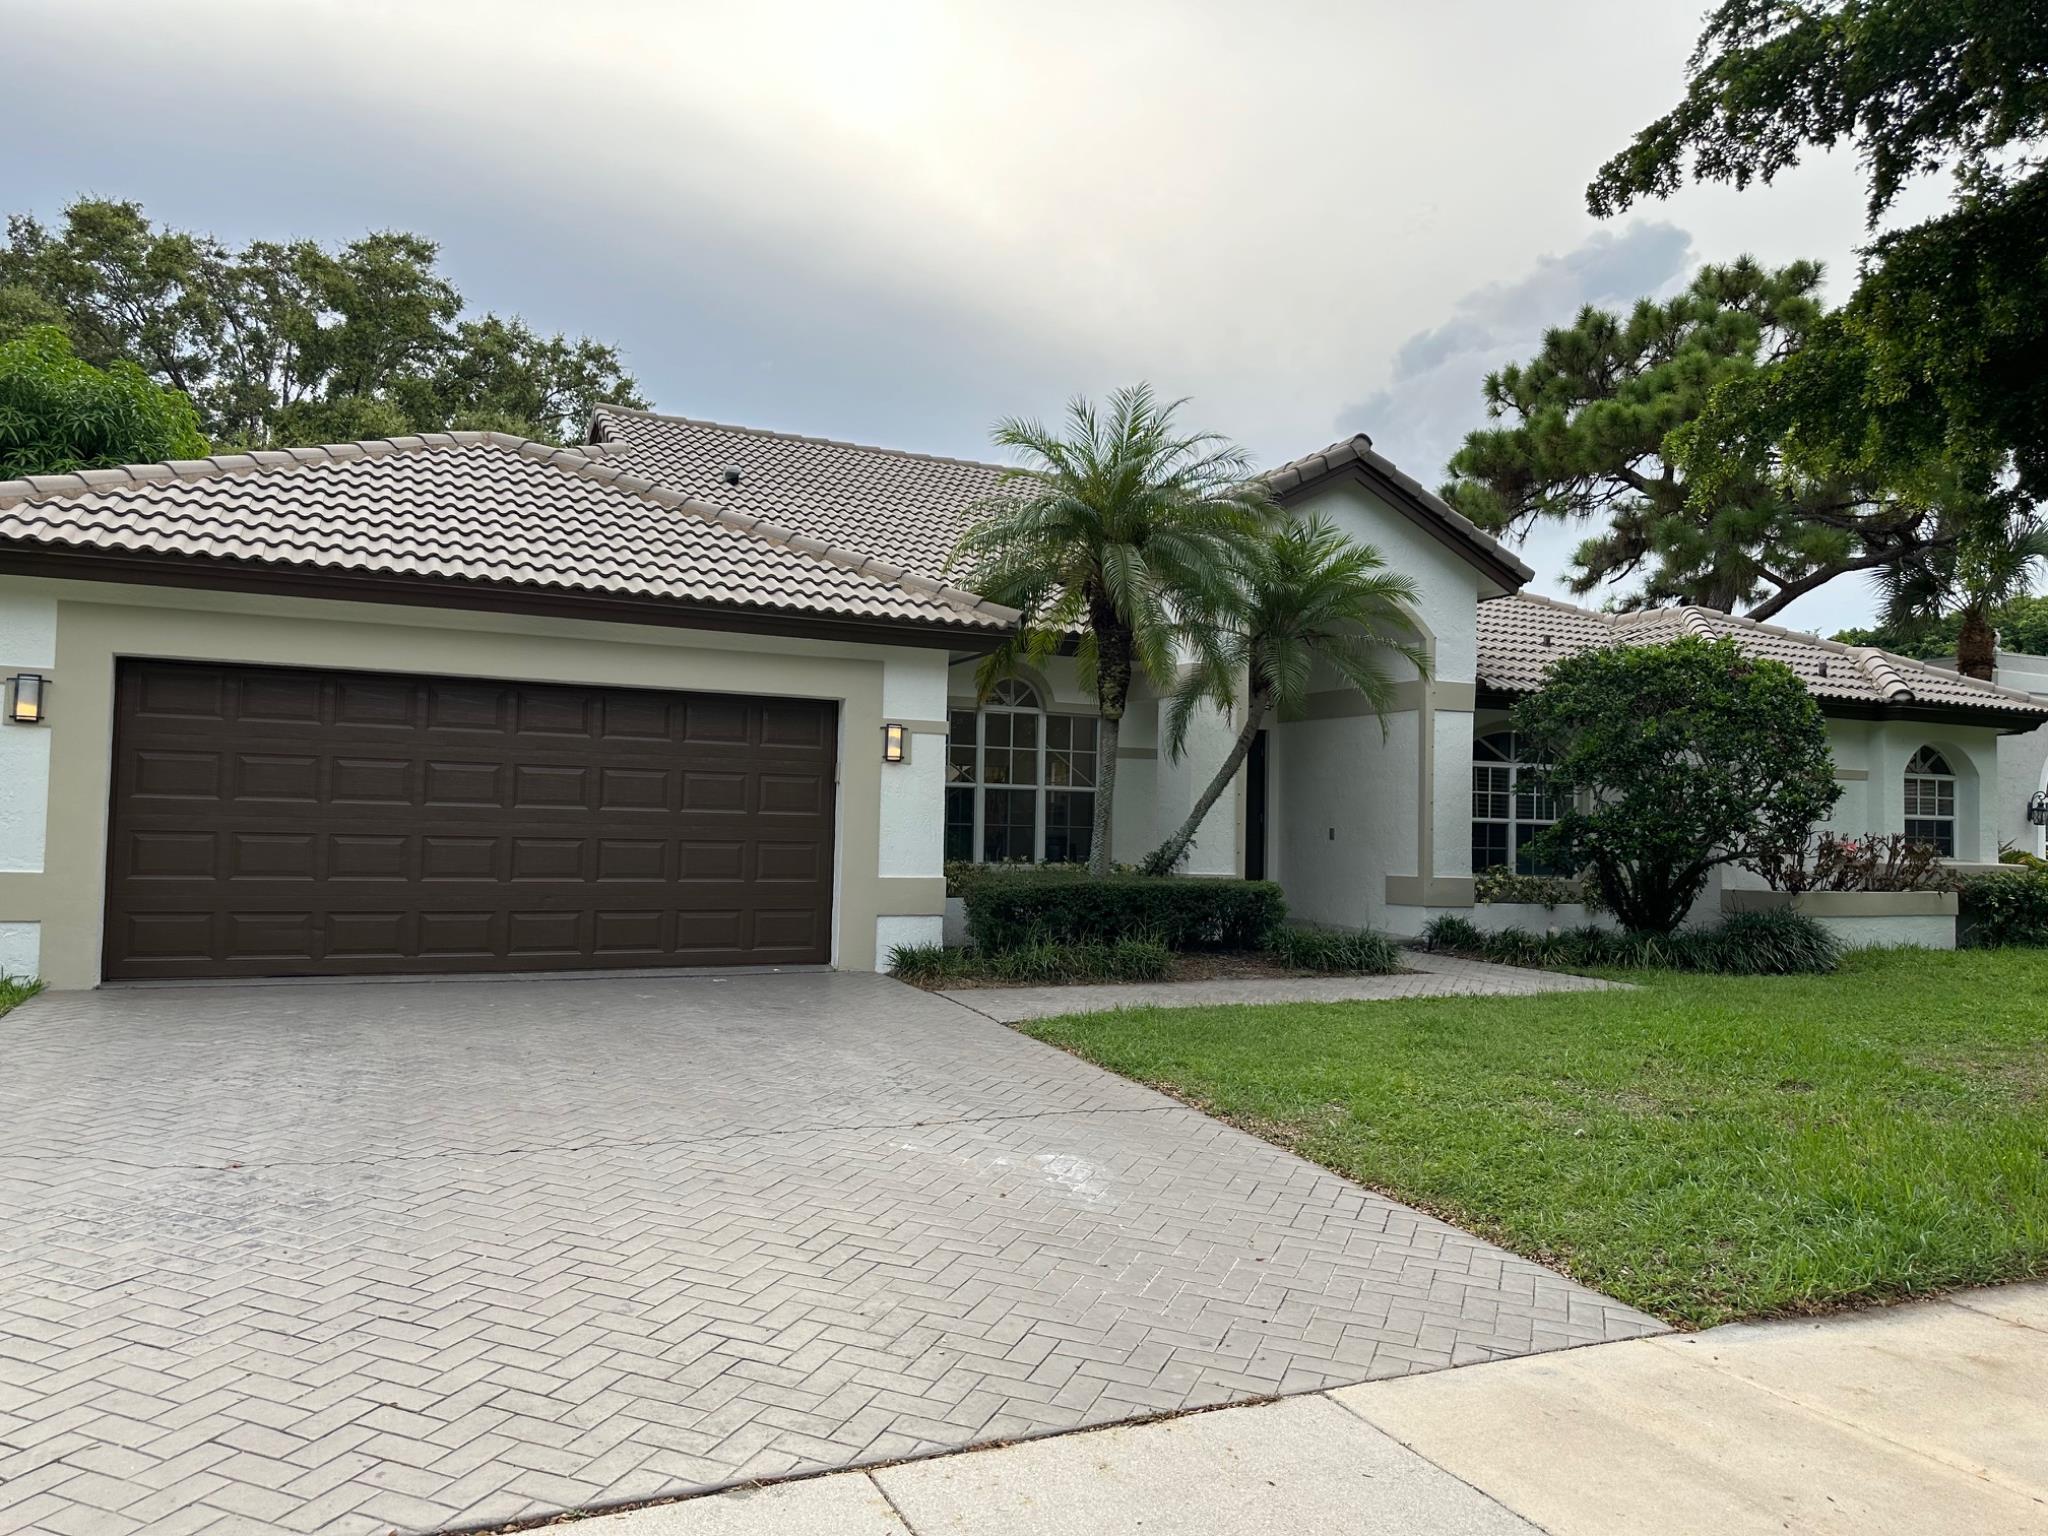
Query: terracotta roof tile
point(1520, 636)
point(474, 506)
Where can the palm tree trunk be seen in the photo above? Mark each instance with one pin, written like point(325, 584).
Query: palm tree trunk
point(1168, 855)
point(1112, 693)
point(1977, 644)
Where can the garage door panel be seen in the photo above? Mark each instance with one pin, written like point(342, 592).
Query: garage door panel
point(271, 822)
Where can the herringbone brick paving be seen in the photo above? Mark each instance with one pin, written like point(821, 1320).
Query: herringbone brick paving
point(361, 1258)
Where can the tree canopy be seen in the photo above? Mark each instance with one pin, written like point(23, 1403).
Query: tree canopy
point(58, 413)
point(2021, 625)
point(1595, 428)
point(287, 343)
point(1940, 356)
point(1669, 760)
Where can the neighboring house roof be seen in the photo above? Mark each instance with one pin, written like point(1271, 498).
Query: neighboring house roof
point(912, 507)
point(1520, 636)
point(909, 508)
point(1356, 455)
point(473, 515)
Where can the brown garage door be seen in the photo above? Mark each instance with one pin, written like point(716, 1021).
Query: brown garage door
point(298, 823)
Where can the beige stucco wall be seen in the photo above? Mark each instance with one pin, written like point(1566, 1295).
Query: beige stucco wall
point(883, 895)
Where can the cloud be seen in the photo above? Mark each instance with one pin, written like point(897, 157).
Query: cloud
point(1432, 398)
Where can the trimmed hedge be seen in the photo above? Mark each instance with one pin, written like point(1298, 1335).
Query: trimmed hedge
point(1778, 942)
point(933, 965)
point(1336, 951)
point(2009, 908)
point(1007, 910)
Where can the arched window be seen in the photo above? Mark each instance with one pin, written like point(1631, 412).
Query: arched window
point(1509, 806)
point(1020, 783)
point(1931, 802)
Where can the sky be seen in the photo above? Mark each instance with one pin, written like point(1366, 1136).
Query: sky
point(897, 222)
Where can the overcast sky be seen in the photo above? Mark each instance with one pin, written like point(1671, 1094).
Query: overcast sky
point(894, 222)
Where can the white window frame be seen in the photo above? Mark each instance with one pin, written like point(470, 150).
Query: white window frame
point(1930, 780)
point(1001, 701)
point(1510, 761)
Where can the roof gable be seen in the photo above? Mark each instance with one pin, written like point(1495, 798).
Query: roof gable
point(472, 507)
point(1356, 456)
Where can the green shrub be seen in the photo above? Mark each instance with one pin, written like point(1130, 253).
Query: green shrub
point(1130, 959)
point(1500, 882)
point(2009, 907)
point(926, 965)
point(1333, 951)
point(1779, 942)
point(1453, 934)
point(1666, 761)
point(1007, 910)
point(1044, 961)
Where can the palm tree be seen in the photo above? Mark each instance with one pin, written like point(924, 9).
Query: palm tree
point(1112, 530)
point(1305, 594)
point(1993, 558)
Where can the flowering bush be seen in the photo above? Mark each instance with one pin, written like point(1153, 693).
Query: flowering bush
point(1501, 882)
point(1875, 863)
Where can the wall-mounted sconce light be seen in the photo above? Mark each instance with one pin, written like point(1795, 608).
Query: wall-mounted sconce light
point(2037, 808)
point(895, 743)
point(26, 704)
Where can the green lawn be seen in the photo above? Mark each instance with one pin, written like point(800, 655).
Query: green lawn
point(1706, 1147)
point(12, 991)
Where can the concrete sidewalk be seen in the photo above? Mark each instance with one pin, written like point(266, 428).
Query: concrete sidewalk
point(1920, 1420)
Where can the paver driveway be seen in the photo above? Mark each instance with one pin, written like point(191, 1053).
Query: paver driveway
point(433, 1255)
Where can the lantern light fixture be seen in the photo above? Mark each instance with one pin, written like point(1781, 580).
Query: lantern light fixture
point(27, 701)
point(895, 743)
point(2037, 809)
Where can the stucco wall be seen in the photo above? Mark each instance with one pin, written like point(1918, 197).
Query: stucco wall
point(888, 878)
point(1372, 827)
point(1348, 815)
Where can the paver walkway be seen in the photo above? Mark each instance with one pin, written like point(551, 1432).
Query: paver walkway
point(428, 1255)
point(1427, 976)
point(1925, 1420)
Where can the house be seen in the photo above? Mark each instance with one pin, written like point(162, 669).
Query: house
point(692, 694)
point(2022, 758)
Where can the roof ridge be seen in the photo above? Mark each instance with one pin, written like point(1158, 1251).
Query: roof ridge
point(604, 410)
point(221, 465)
point(1544, 598)
point(574, 459)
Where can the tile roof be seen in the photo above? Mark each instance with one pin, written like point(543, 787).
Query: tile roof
point(1520, 636)
point(1358, 450)
point(909, 508)
point(478, 507)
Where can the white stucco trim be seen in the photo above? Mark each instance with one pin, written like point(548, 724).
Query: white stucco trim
point(28, 643)
point(21, 946)
point(896, 932)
